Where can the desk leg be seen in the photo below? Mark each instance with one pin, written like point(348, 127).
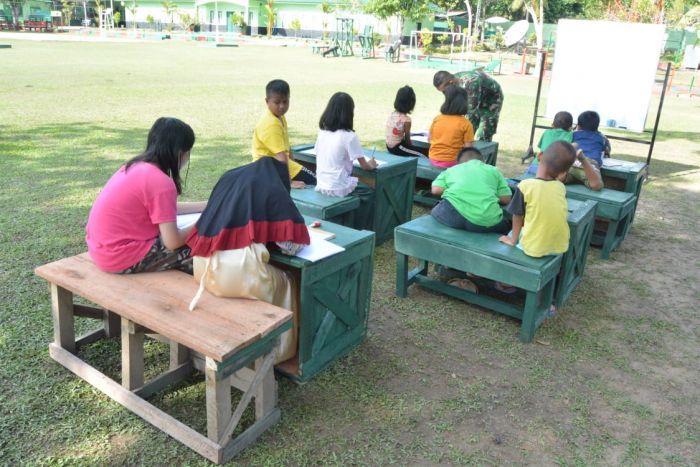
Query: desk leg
point(609, 241)
point(132, 355)
point(179, 354)
point(63, 322)
point(401, 275)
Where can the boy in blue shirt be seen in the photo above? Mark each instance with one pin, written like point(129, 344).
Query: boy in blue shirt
point(592, 142)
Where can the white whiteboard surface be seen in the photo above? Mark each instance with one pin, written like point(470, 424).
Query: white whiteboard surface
point(605, 66)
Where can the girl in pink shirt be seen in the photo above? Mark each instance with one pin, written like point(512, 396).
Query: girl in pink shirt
point(132, 224)
point(398, 126)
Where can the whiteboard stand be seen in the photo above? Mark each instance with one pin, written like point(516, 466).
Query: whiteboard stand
point(530, 150)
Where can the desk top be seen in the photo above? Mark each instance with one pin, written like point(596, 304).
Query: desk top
point(218, 327)
point(344, 236)
point(391, 161)
point(619, 165)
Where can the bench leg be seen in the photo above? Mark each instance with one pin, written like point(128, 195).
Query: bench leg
point(132, 355)
point(266, 393)
point(63, 321)
point(179, 354)
point(218, 392)
point(112, 324)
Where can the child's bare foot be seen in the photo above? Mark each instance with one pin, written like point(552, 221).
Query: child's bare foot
point(298, 184)
point(465, 284)
point(504, 288)
point(507, 240)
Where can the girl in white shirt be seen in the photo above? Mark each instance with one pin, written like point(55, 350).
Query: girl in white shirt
point(337, 146)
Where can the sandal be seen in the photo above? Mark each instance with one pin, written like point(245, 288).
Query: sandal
point(465, 284)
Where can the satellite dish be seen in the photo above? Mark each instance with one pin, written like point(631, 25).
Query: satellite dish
point(516, 32)
point(496, 20)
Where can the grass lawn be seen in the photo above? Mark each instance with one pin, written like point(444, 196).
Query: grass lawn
point(614, 379)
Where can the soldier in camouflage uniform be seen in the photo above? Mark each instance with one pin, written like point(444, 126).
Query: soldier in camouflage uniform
point(485, 99)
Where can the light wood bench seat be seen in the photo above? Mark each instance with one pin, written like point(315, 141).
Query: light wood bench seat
point(223, 337)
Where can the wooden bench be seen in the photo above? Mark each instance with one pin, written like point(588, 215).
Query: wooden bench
point(427, 172)
point(393, 183)
point(224, 338)
point(314, 204)
point(614, 213)
point(544, 280)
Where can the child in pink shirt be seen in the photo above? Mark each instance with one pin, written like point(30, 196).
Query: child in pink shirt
point(132, 224)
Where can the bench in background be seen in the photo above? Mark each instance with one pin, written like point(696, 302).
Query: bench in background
point(545, 281)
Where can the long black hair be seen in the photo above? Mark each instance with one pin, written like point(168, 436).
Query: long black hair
point(339, 113)
point(405, 100)
point(455, 101)
point(168, 138)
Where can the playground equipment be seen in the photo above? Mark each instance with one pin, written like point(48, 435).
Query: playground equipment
point(107, 20)
point(343, 36)
point(367, 42)
point(460, 39)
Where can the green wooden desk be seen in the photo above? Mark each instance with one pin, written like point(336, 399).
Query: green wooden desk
point(545, 280)
point(338, 210)
point(393, 183)
point(613, 213)
point(334, 299)
point(427, 172)
point(625, 176)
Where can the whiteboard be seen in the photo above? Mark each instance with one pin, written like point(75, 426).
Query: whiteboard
point(605, 66)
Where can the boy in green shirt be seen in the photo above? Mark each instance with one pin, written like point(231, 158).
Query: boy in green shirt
point(472, 194)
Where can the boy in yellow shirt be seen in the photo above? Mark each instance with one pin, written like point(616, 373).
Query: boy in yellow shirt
point(539, 205)
point(271, 138)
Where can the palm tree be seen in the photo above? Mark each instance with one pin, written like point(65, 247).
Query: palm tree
point(270, 16)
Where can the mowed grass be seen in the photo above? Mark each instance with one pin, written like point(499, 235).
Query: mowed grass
point(613, 379)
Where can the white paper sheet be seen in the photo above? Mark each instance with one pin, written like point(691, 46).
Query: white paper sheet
point(186, 220)
point(319, 249)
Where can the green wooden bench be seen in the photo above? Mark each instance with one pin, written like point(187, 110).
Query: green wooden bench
point(232, 341)
point(427, 172)
point(393, 183)
point(314, 204)
point(613, 215)
point(334, 300)
point(544, 280)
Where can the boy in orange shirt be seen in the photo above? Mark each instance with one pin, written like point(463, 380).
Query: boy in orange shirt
point(450, 131)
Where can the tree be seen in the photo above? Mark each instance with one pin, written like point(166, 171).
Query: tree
point(403, 9)
point(170, 8)
point(269, 10)
point(296, 26)
point(16, 7)
point(327, 8)
point(132, 9)
point(67, 11)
